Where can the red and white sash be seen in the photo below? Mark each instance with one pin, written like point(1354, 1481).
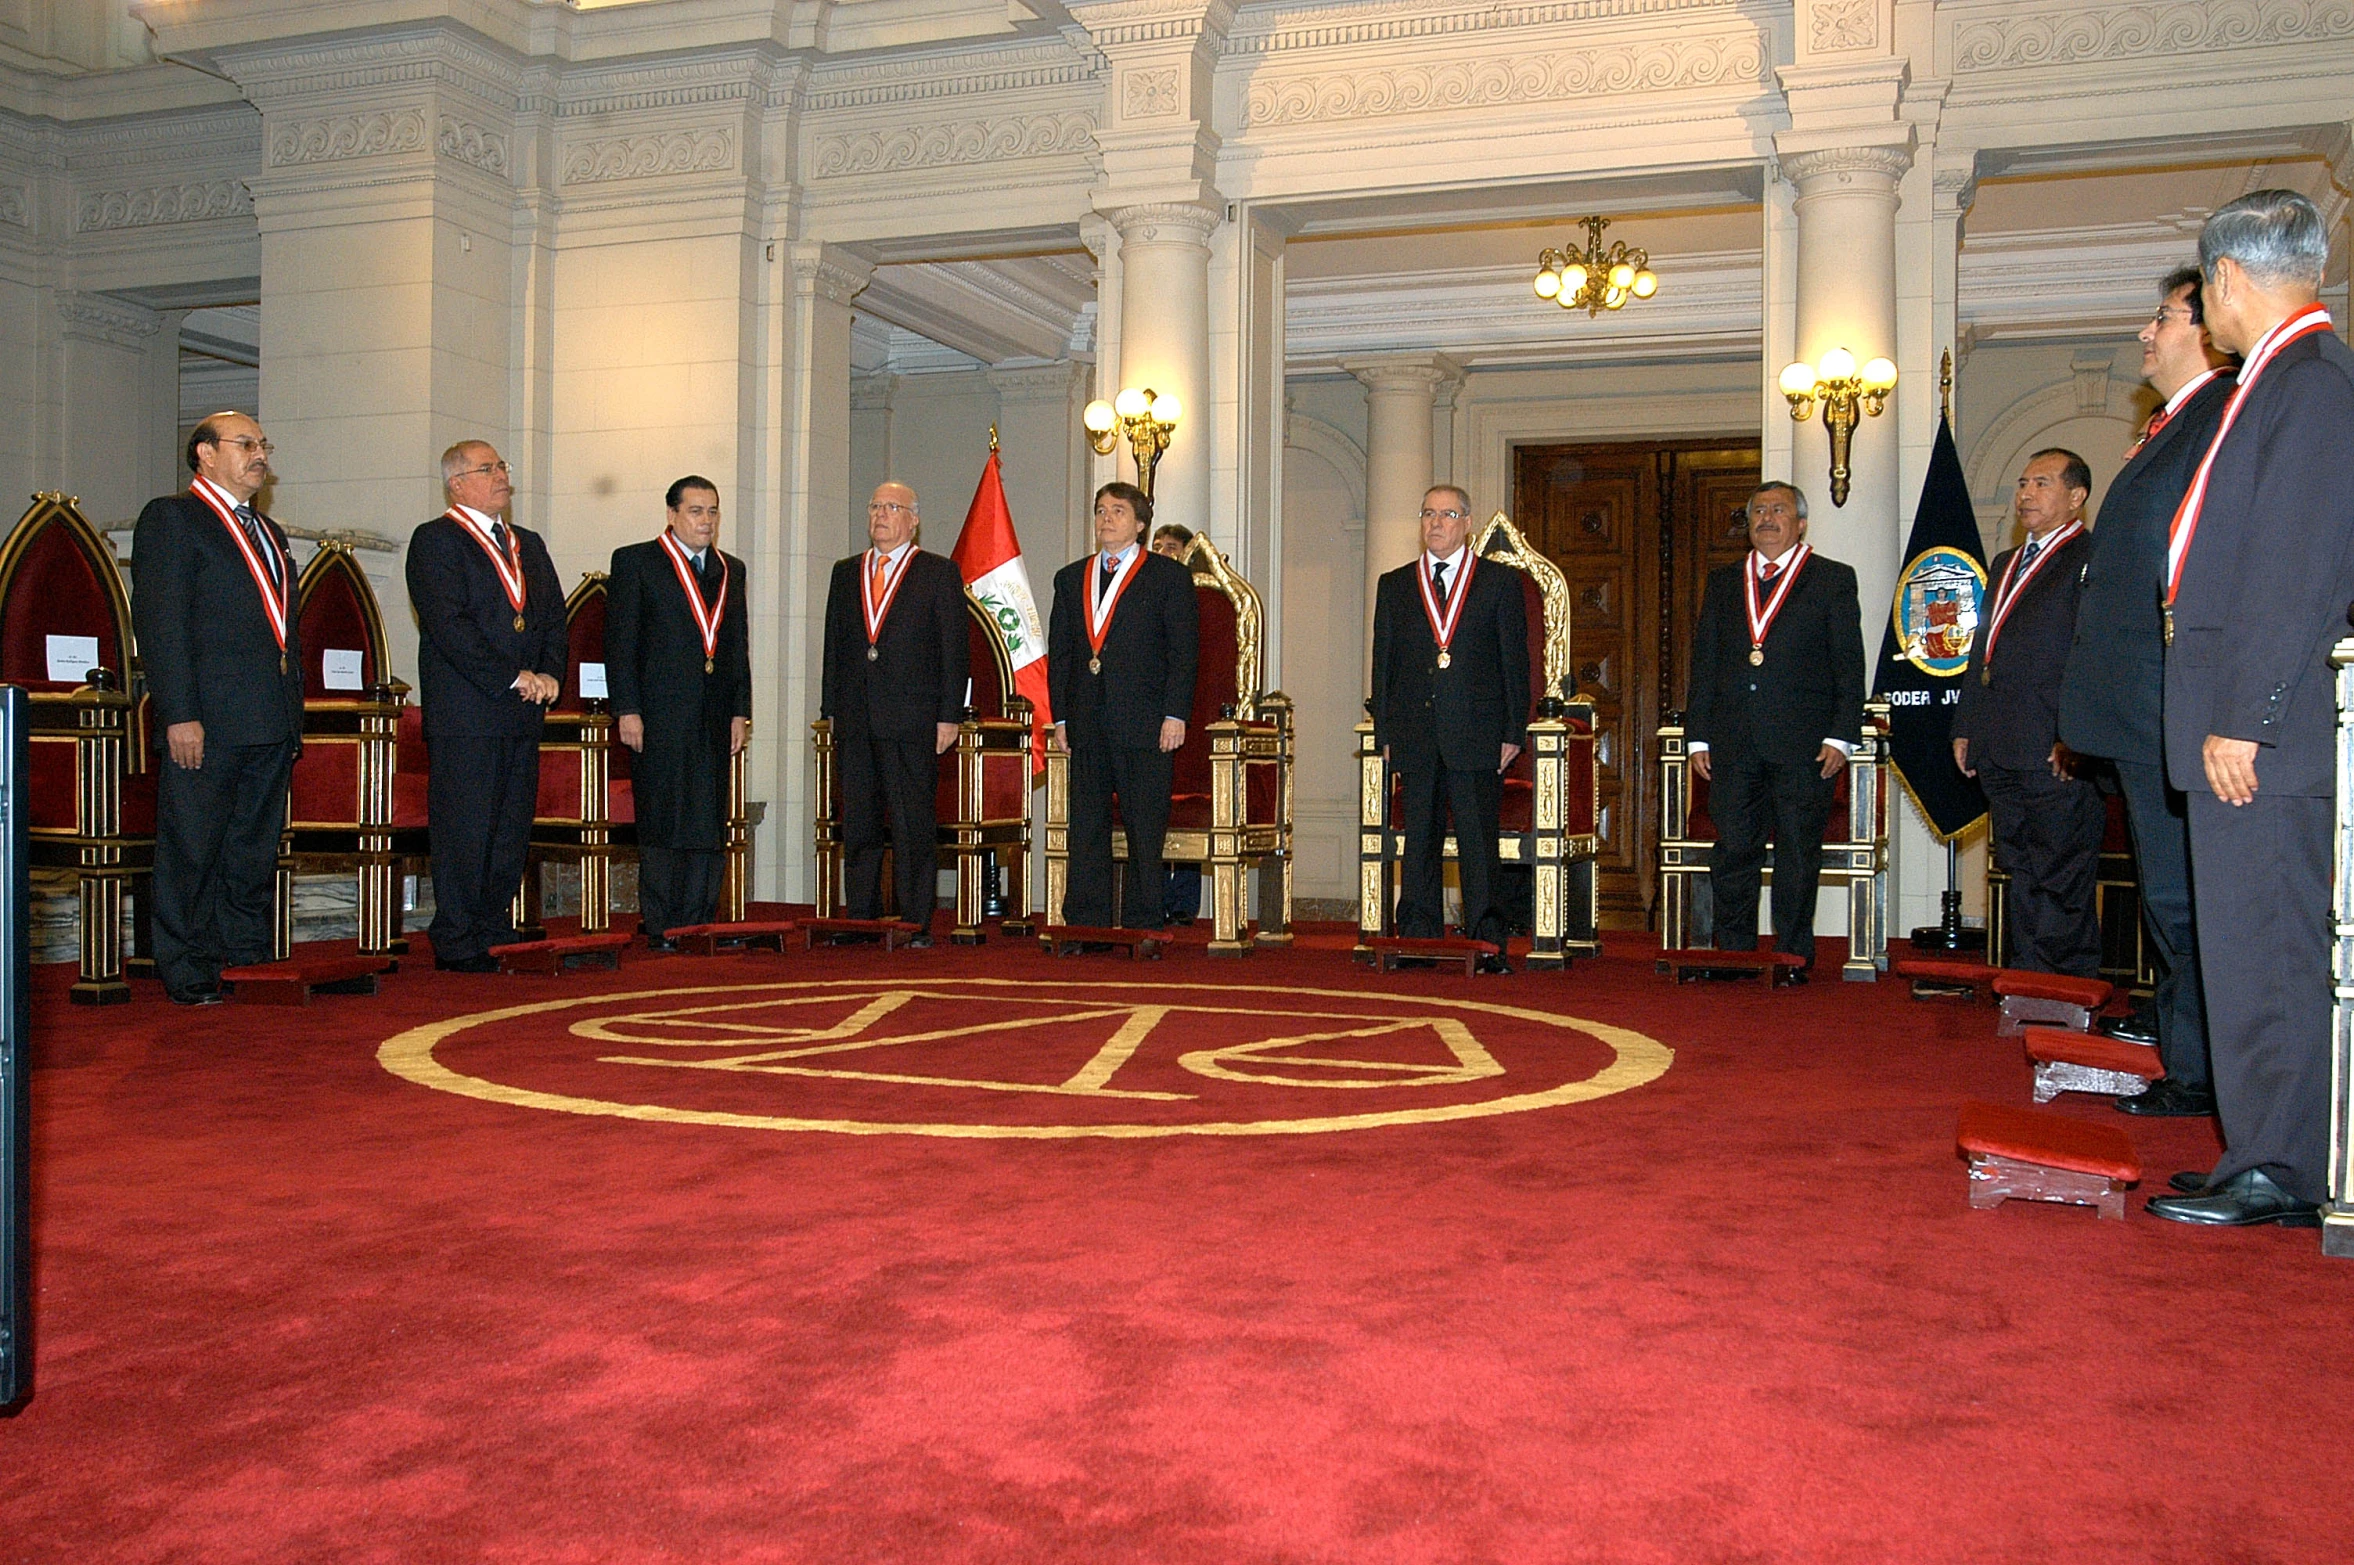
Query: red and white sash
point(1100, 610)
point(706, 620)
point(1761, 620)
point(2185, 527)
point(509, 566)
point(269, 581)
point(2008, 591)
point(878, 612)
point(1442, 626)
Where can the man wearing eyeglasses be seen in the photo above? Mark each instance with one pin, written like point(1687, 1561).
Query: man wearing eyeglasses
point(214, 612)
point(897, 656)
point(2110, 695)
point(1450, 711)
point(491, 655)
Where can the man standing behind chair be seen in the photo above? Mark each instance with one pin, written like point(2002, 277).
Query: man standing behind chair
point(2047, 818)
point(1777, 706)
point(1450, 711)
point(2109, 699)
point(215, 619)
point(896, 667)
point(2260, 567)
point(1121, 646)
point(491, 653)
point(678, 668)
point(1181, 897)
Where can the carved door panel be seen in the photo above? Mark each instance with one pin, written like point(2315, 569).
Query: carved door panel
point(1635, 528)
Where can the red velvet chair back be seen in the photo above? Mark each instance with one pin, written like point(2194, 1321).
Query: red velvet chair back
point(338, 612)
point(584, 629)
point(1213, 686)
point(992, 681)
point(1699, 828)
point(58, 578)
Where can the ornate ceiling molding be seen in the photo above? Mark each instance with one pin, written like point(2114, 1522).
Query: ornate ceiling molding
point(1719, 60)
point(822, 272)
point(462, 141)
point(272, 74)
point(16, 206)
point(1845, 164)
point(96, 316)
point(1164, 222)
point(335, 138)
point(1023, 67)
point(705, 151)
point(951, 143)
point(1308, 27)
point(101, 211)
point(2027, 37)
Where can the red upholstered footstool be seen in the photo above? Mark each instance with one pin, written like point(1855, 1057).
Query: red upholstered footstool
point(1777, 968)
point(2049, 999)
point(294, 982)
point(1937, 978)
point(2019, 1155)
point(2068, 1061)
point(1391, 952)
point(711, 939)
point(891, 933)
point(1142, 945)
point(564, 954)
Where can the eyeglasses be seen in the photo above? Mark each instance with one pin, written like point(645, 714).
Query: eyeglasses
point(487, 467)
point(248, 443)
point(2167, 312)
point(886, 507)
point(1450, 514)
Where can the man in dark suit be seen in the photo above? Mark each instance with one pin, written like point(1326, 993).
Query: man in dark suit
point(1181, 898)
point(2046, 813)
point(1121, 645)
point(896, 666)
point(2260, 570)
point(214, 614)
point(678, 667)
point(491, 653)
point(2109, 697)
point(1450, 711)
point(1776, 708)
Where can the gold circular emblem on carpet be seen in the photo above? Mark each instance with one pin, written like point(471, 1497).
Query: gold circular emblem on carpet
point(1026, 1059)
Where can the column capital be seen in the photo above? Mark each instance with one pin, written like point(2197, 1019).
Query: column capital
point(1953, 181)
point(1165, 222)
point(828, 272)
point(1817, 170)
point(873, 393)
point(1425, 372)
point(1029, 383)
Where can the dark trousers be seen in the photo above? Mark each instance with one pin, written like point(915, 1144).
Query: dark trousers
point(2260, 878)
point(2162, 863)
point(217, 830)
point(2047, 836)
point(678, 887)
point(1755, 802)
point(479, 797)
point(1142, 780)
point(1433, 796)
point(890, 793)
point(1182, 896)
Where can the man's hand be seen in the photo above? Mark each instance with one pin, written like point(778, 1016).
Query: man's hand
point(1510, 751)
point(2231, 768)
point(2064, 760)
point(536, 687)
point(550, 687)
point(943, 738)
point(1700, 764)
point(185, 742)
point(739, 729)
point(630, 729)
point(1961, 758)
point(1172, 733)
point(1062, 735)
point(1832, 758)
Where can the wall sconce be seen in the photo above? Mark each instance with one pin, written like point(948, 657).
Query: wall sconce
point(1836, 384)
point(1146, 416)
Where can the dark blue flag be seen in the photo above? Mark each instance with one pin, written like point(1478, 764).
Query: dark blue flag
point(1940, 594)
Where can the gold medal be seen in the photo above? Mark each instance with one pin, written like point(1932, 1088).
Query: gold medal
point(1985, 676)
point(281, 663)
point(874, 654)
point(1095, 665)
point(706, 665)
point(1756, 656)
point(1444, 660)
point(518, 622)
point(2168, 630)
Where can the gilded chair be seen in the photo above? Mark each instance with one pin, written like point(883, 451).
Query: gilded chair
point(1548, 810)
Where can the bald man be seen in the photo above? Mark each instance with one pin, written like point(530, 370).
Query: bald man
point(895, 686)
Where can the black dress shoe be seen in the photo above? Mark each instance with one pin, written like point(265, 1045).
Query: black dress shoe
point(485, 963)
point(1493, 964)
point(1789, 976)
point(916, 943)
point(2244, 1200)
point(2190, 1182)
point(196, 994)
point(2133, 1027)
point(2169, 1099)
point(662, 945)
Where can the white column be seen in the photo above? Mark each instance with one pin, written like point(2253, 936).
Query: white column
point(1165, 342)
point(1401, 397)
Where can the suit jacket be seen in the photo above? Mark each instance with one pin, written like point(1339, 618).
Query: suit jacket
point(1809, 688)
point(2109, 697)
point(205, 640)
point(1149, 653)
point(468, 649)
point(654, 671)
point(2014, 721)
point(1461, 715)
point(917, 679)
point(2267, 579)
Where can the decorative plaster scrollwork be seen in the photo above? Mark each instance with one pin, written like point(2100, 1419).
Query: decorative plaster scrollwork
point(950, 143)
point(343, 136)
point(113, 320)
point(16, 206)
point(1484, 83)
point(1836, 25)
point(642, 157)
point(2126, 31)
point(1149, 94)
point(197, 202)
point(472, 145)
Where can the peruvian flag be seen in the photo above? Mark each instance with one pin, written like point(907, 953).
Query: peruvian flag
point(990, 558)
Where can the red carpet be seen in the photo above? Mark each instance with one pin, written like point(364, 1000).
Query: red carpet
point(297, 1308)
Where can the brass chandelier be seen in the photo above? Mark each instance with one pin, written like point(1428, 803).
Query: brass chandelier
point(1596, 278)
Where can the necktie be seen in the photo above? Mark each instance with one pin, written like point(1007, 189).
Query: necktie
point(1438, 581)
point(2028, 554)
point(260, 537)
point(2156, 423)
point(498, 536)
point(1773, 568)
point(1111, 574)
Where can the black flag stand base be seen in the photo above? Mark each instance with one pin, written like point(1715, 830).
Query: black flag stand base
point(1947, 934)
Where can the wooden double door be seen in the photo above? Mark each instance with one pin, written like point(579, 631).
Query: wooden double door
point(1636, 528)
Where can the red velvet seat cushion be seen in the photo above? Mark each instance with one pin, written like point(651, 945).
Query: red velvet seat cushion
point(326, 785)
point(1937, 970)
point(1699, 828)
point(139, 804)
point(49, 782)
point(2052, 1140)
point(2096, 1050)
point(2091, 993)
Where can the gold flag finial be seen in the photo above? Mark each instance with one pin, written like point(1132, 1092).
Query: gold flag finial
point(992, 437)
point(1945, 384)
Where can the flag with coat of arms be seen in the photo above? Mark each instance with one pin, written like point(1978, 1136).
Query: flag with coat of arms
point(989, 557)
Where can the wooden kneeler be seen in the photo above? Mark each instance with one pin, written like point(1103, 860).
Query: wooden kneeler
point(564, 954)
point(891, 933)
point(1391, 952)
point(294, 982)
point(1692, 961)
point(2048, 1000)
point(1142, 945)
point(2017, 1154)
point(1936, 978)
point(2089, 1062)
point(712, 939)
